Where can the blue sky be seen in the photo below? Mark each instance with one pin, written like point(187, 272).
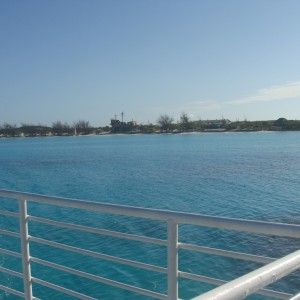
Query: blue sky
point(69, 60)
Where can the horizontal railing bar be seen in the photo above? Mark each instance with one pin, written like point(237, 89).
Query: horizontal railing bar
point(11, 233)
point(274, 294)
point(255, 280)
point(201, 278)
point(11, 253)
point(100, 255)
point(9, 213)
point(61, 289)
point(277, 229)
point(11, 272)
point(218, 282)
point(11, 291)
point(232, 254)
point(99, 231)
point(99, 279)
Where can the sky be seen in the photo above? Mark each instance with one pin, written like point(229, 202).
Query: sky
point(72, 60)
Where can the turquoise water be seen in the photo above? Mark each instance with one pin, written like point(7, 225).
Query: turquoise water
point(243, 175)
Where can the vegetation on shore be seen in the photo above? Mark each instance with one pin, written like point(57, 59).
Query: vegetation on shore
point(165, 124)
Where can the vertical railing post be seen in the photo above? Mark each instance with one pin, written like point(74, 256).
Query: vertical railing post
point(25, 249)
point(172, 260)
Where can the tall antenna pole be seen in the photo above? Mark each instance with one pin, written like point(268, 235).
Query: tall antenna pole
point(122, 116)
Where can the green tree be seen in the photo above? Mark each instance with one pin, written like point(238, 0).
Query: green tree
point(185, 122)
point(34, 130)
point(59, 128)
point(165, 122)
point(9, 130)
point(82, 127)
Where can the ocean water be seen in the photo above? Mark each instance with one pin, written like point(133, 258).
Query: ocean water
point(241, 175)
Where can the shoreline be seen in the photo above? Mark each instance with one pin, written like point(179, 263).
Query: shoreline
point(158, 133)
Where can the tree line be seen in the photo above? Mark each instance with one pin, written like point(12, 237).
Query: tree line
point(165, 124)
point(185, 123)
point(57, 128)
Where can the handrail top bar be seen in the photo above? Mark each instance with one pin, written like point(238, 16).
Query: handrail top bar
point(278, 229)
point(245, 285)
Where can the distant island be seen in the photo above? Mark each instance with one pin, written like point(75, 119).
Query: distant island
point(165, 124)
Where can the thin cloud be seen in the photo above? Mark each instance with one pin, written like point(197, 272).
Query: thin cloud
point(207, 105)
point(279, 92)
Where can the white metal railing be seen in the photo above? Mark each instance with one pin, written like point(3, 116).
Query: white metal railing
point(236, 289)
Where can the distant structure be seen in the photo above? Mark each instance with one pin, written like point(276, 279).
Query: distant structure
point(118, 126)
point(281, 122)
point(218, 123)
